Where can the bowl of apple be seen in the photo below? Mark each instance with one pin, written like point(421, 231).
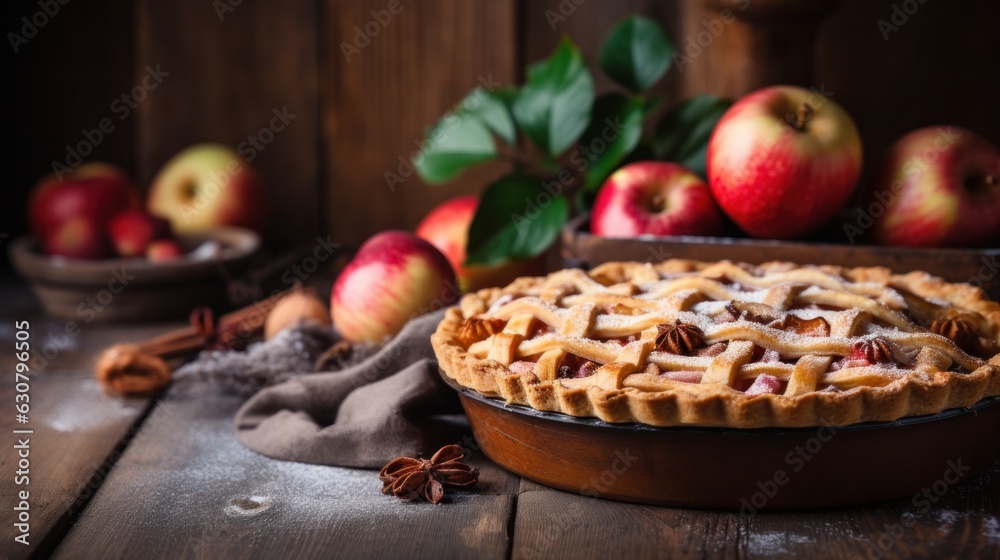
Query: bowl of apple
point(97, 254)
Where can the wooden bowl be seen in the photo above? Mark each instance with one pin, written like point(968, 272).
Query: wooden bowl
point(122, 290)
point(980, 267)
point(732, 469)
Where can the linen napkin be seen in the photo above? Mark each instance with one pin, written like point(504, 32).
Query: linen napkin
point(390, 405)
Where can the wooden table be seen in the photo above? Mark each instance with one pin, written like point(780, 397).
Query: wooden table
point(137, 478)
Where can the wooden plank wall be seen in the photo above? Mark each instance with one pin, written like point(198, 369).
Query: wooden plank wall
point(63, 80)
point(377, 102)
point(231, 69)
point(358, 113)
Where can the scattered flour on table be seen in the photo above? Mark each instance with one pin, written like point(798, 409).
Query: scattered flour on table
point(89, 410)
point(991, 528)
point(770, 543)
point(245, 484)
point(948, 516)
point(946, 519)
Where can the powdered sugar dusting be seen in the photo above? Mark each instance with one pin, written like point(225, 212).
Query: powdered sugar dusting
point(766, 306)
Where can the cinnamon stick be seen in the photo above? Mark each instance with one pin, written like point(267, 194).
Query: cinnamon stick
point(141, 367)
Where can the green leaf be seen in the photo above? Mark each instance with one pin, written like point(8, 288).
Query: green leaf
point(636, 53)
point(492, 109)
point(614, 131)
point(454, 143)
point(517, 218)
point(553, 107)
point(682, 134)
point(651, 105)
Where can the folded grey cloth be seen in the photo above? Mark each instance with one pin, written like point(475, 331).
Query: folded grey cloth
point(363, 416)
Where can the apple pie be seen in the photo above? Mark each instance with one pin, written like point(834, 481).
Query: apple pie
point(724, 344)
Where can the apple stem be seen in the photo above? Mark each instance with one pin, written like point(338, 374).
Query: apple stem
point(658, 203)
point(978, 184)
point(801, 117)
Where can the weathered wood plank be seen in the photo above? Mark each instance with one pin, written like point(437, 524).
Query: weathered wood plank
point(959, 522)
point(963, 523)
point(186, 488)
point(232, 67)
point(553, 524)
point(78, 429)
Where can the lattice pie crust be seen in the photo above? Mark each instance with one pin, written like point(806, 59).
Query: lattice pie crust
point(723, 344)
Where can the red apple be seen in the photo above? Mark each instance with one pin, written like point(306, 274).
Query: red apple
point(163, 250)
point(446, 227)
point(92, 170)
point(70, 218)
point(655, 198)
point(394, 277)
point(782, 161)
point(80, 237)
point(132, 231)
point(938, 187)
point(208, 186)
point(95, 191)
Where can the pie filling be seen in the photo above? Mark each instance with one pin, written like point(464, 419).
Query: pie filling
point(786, 333)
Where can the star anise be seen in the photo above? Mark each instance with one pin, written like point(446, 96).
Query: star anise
point(410, 478)
point(679, 338)
point(960, 330)
point(874, 351)
point(475, 329)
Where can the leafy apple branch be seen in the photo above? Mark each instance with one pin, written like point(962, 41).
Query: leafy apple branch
point(519, 215)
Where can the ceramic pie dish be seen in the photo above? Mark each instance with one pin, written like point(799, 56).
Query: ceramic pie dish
point(740, 470)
